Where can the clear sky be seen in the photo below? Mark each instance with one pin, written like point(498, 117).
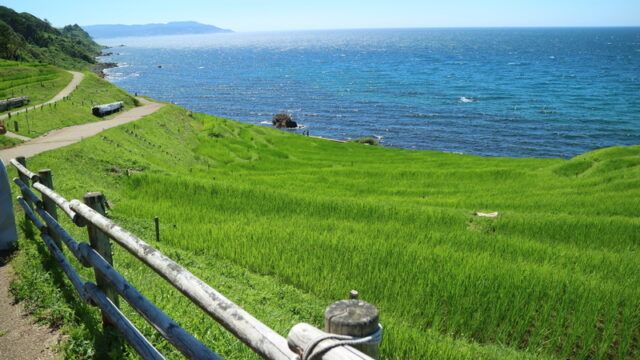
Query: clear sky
point(274, 15)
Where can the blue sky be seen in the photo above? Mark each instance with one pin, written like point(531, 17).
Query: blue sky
point(275, 15)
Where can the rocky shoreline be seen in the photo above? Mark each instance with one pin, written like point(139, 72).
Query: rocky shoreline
point(99, 68)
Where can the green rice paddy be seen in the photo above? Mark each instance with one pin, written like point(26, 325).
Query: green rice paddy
point(285, 224)
point(38, 81)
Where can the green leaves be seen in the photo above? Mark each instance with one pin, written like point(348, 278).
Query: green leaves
point(24, 37)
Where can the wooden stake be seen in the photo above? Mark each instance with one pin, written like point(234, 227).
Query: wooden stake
point(101, 243)
point(354, 318)
point(46, 179)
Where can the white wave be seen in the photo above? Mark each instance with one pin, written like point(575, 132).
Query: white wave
point(465, 99)
point(115, 76)
point(265, 122)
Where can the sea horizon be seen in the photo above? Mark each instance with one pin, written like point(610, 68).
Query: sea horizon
point(109, 39)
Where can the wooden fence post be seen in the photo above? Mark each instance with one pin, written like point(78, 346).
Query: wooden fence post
point(101, 243)
point(46, 178)
point(354, 318)
point(25, 179)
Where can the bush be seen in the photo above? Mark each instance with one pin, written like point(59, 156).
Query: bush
point(366, 141)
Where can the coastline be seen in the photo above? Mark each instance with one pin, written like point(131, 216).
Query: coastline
point(451, 107)
point(100, 67)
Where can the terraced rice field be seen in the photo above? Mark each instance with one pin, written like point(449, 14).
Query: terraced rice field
point(285, 224)
point(38, 81)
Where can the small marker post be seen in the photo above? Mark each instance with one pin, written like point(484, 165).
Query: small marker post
point(157, 222)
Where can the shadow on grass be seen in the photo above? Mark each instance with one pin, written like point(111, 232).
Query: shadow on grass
point(5, 257)
point(107, 344)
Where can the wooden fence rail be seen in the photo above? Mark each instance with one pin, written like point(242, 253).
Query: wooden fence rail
point(110, 284)
point(90, 293)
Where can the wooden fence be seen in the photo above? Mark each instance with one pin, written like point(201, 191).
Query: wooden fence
point(352, 322)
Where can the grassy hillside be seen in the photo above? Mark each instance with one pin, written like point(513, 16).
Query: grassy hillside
point(73, 110)
point(285, 224)
point(38, 81)
point(41, 82)
point(24, 37)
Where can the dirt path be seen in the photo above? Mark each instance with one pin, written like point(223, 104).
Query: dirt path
point(77, 78)
point(72, 134)
point(20, 339)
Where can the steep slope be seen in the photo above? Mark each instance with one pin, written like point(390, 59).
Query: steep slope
point(24, 37)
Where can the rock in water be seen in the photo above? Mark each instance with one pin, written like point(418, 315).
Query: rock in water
point(283, 121)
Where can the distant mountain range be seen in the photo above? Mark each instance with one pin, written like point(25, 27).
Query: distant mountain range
point(172, 28)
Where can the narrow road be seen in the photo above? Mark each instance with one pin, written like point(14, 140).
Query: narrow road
point(77, 78)
point(20, 339)
point(72, 134)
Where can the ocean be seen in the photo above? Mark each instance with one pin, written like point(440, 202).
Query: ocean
point(512, 92)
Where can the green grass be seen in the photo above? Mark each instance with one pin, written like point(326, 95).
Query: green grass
point(6, 141)
point(286, 224)
point(74, 109)
point(40, 82)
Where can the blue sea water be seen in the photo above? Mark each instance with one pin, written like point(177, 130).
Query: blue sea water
point(494, 92)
